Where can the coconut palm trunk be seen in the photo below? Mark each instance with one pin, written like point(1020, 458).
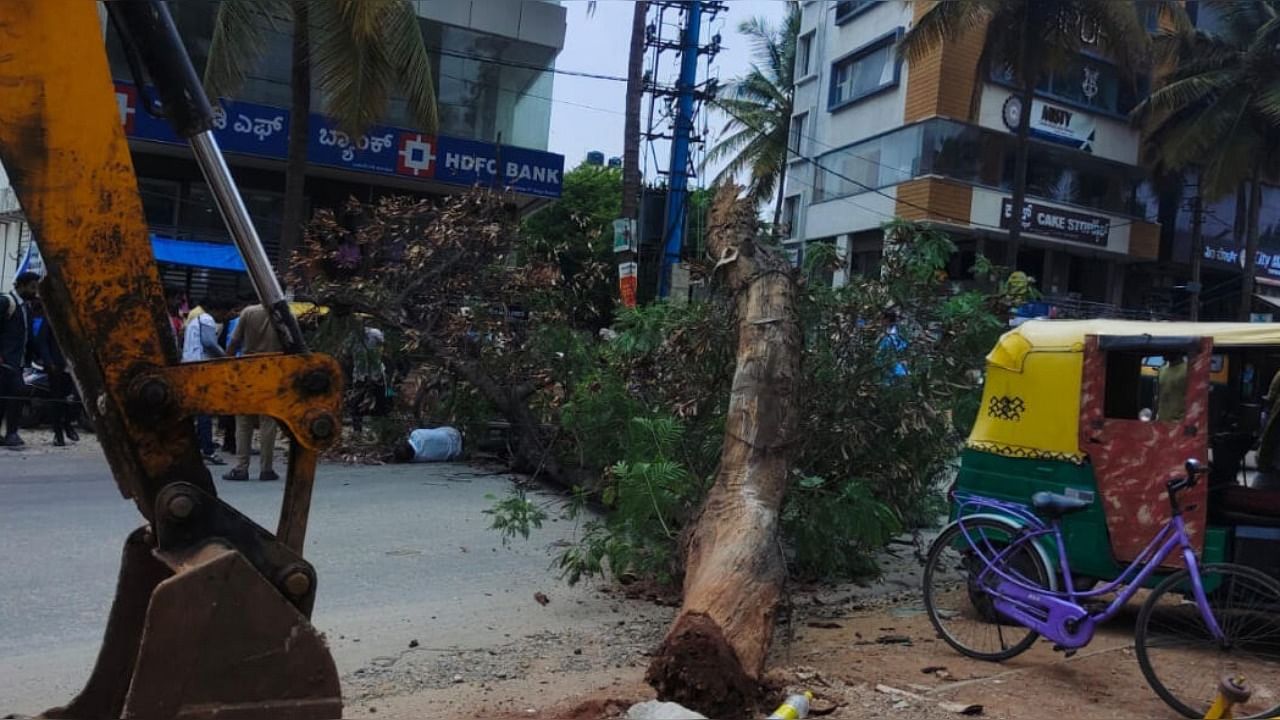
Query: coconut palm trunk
point(635, 97)
point(295, 174)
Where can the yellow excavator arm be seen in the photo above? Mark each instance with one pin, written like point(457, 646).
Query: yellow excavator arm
point(211, 615)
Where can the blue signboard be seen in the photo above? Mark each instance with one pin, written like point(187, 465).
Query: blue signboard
point(263, 130)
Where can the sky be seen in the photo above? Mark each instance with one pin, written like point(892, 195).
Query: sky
point(587, 114)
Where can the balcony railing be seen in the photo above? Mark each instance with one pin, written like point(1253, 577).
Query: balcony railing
point(1066, 307)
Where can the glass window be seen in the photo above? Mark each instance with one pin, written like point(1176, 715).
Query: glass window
point(1089, 83)
point(982, 157)
point(790, 213)
point(159, 202)
point(846, 9)
point(797, 132)
point(804, 53)
point(864, 72)
point(887, 160)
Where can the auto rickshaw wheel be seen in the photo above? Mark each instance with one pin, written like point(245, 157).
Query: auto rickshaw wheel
point(964, 615)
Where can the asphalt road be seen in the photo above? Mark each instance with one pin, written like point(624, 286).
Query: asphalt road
point(402, 552)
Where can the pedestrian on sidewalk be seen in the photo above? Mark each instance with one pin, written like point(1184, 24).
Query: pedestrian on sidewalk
point(200, 342)
point(15, 335)
point(254, 334)
point(55, 367)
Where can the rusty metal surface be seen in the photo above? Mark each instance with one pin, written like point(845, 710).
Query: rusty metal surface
point(1133, 459)
point(210, 616)
point(221, 642)
point(303, 392)
point(65, 153)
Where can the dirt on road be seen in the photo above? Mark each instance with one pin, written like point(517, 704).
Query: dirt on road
point(864, 651)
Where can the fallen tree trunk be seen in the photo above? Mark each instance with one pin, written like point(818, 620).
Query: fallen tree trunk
point(713, 657)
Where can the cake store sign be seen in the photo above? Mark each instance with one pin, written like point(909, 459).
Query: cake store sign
point(1058, 223)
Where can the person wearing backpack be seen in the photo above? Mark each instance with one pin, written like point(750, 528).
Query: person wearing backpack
point(15, 335)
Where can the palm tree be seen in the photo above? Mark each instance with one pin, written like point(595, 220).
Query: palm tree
point(1029, 39)
point(635, 98)
point(1218, 109)
point(759, 107)
point(355, 52)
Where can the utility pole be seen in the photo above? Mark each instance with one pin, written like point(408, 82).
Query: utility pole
point(678, 189)
point(1197, 251)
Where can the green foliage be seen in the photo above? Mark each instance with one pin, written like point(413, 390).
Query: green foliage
point(575, 234)
point(651, 497)
point(833, 528)
point(360, 51)
point(1219, 107)
point(759, 106)
point(649, 411)
point(515, 515)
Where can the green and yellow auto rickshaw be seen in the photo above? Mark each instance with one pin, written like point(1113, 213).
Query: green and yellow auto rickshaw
point(1108, 411)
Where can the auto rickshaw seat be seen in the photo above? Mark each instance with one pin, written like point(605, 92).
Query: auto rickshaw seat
point(1242, 505)
point(1053, 505)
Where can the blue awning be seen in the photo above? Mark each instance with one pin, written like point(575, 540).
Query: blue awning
point(192, 253)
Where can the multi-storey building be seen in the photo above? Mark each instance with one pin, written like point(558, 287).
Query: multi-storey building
point(875, 137)
point(493, 68)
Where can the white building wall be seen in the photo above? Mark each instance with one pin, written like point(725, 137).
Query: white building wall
point(825, 131)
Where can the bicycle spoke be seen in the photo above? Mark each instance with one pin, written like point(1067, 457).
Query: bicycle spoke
point(958, 585)
point(1182, 659)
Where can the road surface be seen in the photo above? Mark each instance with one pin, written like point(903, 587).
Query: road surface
point(403, 553)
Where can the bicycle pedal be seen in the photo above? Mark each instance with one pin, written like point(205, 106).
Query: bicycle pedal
point(1067, 652)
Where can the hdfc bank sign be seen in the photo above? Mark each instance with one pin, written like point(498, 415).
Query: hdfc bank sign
point(476, 163)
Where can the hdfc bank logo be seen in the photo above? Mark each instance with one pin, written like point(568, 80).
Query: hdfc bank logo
point(416, 156)
point(127, 104)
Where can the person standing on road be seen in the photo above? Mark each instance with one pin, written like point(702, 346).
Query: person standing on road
point(200, 342)
point(254, 334)
point(15, 334)
point(55, 366)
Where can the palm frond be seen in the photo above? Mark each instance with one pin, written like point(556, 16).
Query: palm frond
point(943, 22)
point(237, 43)
point(361, 49)
point(413, 66)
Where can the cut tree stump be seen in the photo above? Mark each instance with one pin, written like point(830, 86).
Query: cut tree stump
point(713, 657)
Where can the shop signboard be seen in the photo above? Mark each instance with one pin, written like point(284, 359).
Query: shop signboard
point(263, 131)
point(1058, 223)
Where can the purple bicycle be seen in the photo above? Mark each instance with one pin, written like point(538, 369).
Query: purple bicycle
point(998, 578)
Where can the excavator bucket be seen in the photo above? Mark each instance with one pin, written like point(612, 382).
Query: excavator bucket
point(213, 640)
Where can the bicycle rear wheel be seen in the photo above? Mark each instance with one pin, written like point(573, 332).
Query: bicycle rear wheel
point(1182, 661)
point(959, 603)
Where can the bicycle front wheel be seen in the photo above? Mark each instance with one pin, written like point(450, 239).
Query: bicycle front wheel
point(958, 599)
point(1182, 660)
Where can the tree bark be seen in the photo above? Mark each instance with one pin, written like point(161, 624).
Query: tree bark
point(295, 173)
point(782, 187)
point(1248, 281)
point(635, 97)
point(713, 656)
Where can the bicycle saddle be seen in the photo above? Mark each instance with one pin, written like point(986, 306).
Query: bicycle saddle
point(1054, 505)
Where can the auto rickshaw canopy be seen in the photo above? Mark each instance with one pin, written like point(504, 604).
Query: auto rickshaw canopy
point(1031, 397)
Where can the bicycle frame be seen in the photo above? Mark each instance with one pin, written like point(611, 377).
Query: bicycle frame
point(1057, 614)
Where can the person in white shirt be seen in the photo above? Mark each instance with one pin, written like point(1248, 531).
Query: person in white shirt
point(200, 342)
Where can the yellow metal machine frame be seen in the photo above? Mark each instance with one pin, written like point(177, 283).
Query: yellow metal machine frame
point(211, 613)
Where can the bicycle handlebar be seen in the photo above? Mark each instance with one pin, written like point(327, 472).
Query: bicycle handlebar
point(1178, 484)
